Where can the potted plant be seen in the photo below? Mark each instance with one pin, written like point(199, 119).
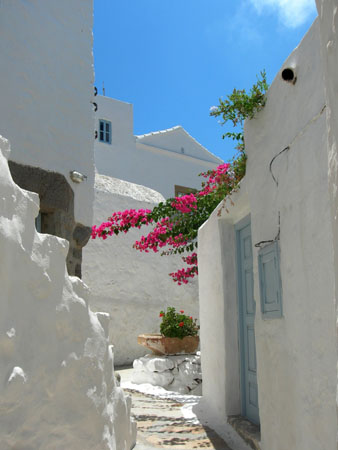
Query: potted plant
point(179, 334)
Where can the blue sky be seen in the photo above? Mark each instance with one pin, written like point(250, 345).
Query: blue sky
point(173, 59)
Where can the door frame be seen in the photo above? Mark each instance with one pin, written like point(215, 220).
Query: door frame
point(243, 389)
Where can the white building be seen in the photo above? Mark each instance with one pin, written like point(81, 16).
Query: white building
point(167, 161)
point(268, 267)
point(46, 111)
point(57, 384)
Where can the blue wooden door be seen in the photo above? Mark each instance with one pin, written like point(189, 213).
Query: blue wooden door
point(247, 310)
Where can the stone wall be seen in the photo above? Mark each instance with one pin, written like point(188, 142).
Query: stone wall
point(177, 373)
point(57, 386)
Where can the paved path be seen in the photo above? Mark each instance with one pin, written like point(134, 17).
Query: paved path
point(162, 423)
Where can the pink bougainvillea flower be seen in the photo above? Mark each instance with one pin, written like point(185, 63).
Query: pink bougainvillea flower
point(185, 203)
point(182, 275)
point(181, 324)
point(215, 177)
point(182, 312)
point(173, 223)
point(161, 314)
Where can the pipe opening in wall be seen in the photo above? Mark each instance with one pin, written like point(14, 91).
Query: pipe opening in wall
point(288, 75)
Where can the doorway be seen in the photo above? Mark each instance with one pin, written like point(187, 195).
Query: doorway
point(247, 310)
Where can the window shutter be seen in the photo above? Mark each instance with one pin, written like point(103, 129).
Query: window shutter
point(270, 281)
point(105, 131)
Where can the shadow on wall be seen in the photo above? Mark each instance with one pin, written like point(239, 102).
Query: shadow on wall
point(56, 215)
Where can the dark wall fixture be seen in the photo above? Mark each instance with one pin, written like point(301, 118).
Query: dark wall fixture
point(288, 75)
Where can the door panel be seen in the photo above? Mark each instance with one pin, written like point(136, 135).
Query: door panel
point(247, 310)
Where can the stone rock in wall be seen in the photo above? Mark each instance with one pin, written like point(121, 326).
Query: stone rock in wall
point(178, 359)
point(188, 373)
point(178, 373)
point(57, 385)
point(160, 364)
point(138, 364)
point(177, 386)
point(196, 359)
point(193, 370)
point(197, 390)
point(157, 364)
point(155, 378)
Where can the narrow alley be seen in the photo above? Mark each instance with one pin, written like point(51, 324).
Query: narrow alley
point(168, 422)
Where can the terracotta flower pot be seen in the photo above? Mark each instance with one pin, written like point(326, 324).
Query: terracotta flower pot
point(161, 345)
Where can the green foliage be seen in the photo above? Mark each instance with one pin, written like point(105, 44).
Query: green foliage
point(239, 105)
point(178, 325)
point(239, 166)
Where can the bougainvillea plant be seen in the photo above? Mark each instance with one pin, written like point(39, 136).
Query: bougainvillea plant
point(177, 324)
point(175, 222)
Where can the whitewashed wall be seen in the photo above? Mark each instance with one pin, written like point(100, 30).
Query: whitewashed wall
point(57, 386)
point(132, 286)
point(218, 312)
point(46, 89)
point(154, 160)
point(328, 18)
point(296, 355)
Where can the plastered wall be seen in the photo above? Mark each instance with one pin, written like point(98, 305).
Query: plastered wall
point(46, 89)
point(296, 354)
point(155, 160)
point(132, 286)
point(328, 19)
point(57, 386)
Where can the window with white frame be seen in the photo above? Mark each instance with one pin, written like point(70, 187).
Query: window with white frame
point(105, 131)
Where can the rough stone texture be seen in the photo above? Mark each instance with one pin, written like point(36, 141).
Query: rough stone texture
point(81, 235)
point(247, 430)
point(132, 286)
point(159, 364)
point(175, 373)
point(161, 424)
point(56, 209)
point(54, 191)
point(162, 379)
point(57, 385)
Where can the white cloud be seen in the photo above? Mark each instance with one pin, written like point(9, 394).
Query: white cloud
point(292, 13)
point(238, 28)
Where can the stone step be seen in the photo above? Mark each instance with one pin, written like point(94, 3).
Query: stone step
point(248, 431)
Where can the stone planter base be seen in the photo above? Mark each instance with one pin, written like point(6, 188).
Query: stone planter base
point(179, 373)
point(161, 345)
